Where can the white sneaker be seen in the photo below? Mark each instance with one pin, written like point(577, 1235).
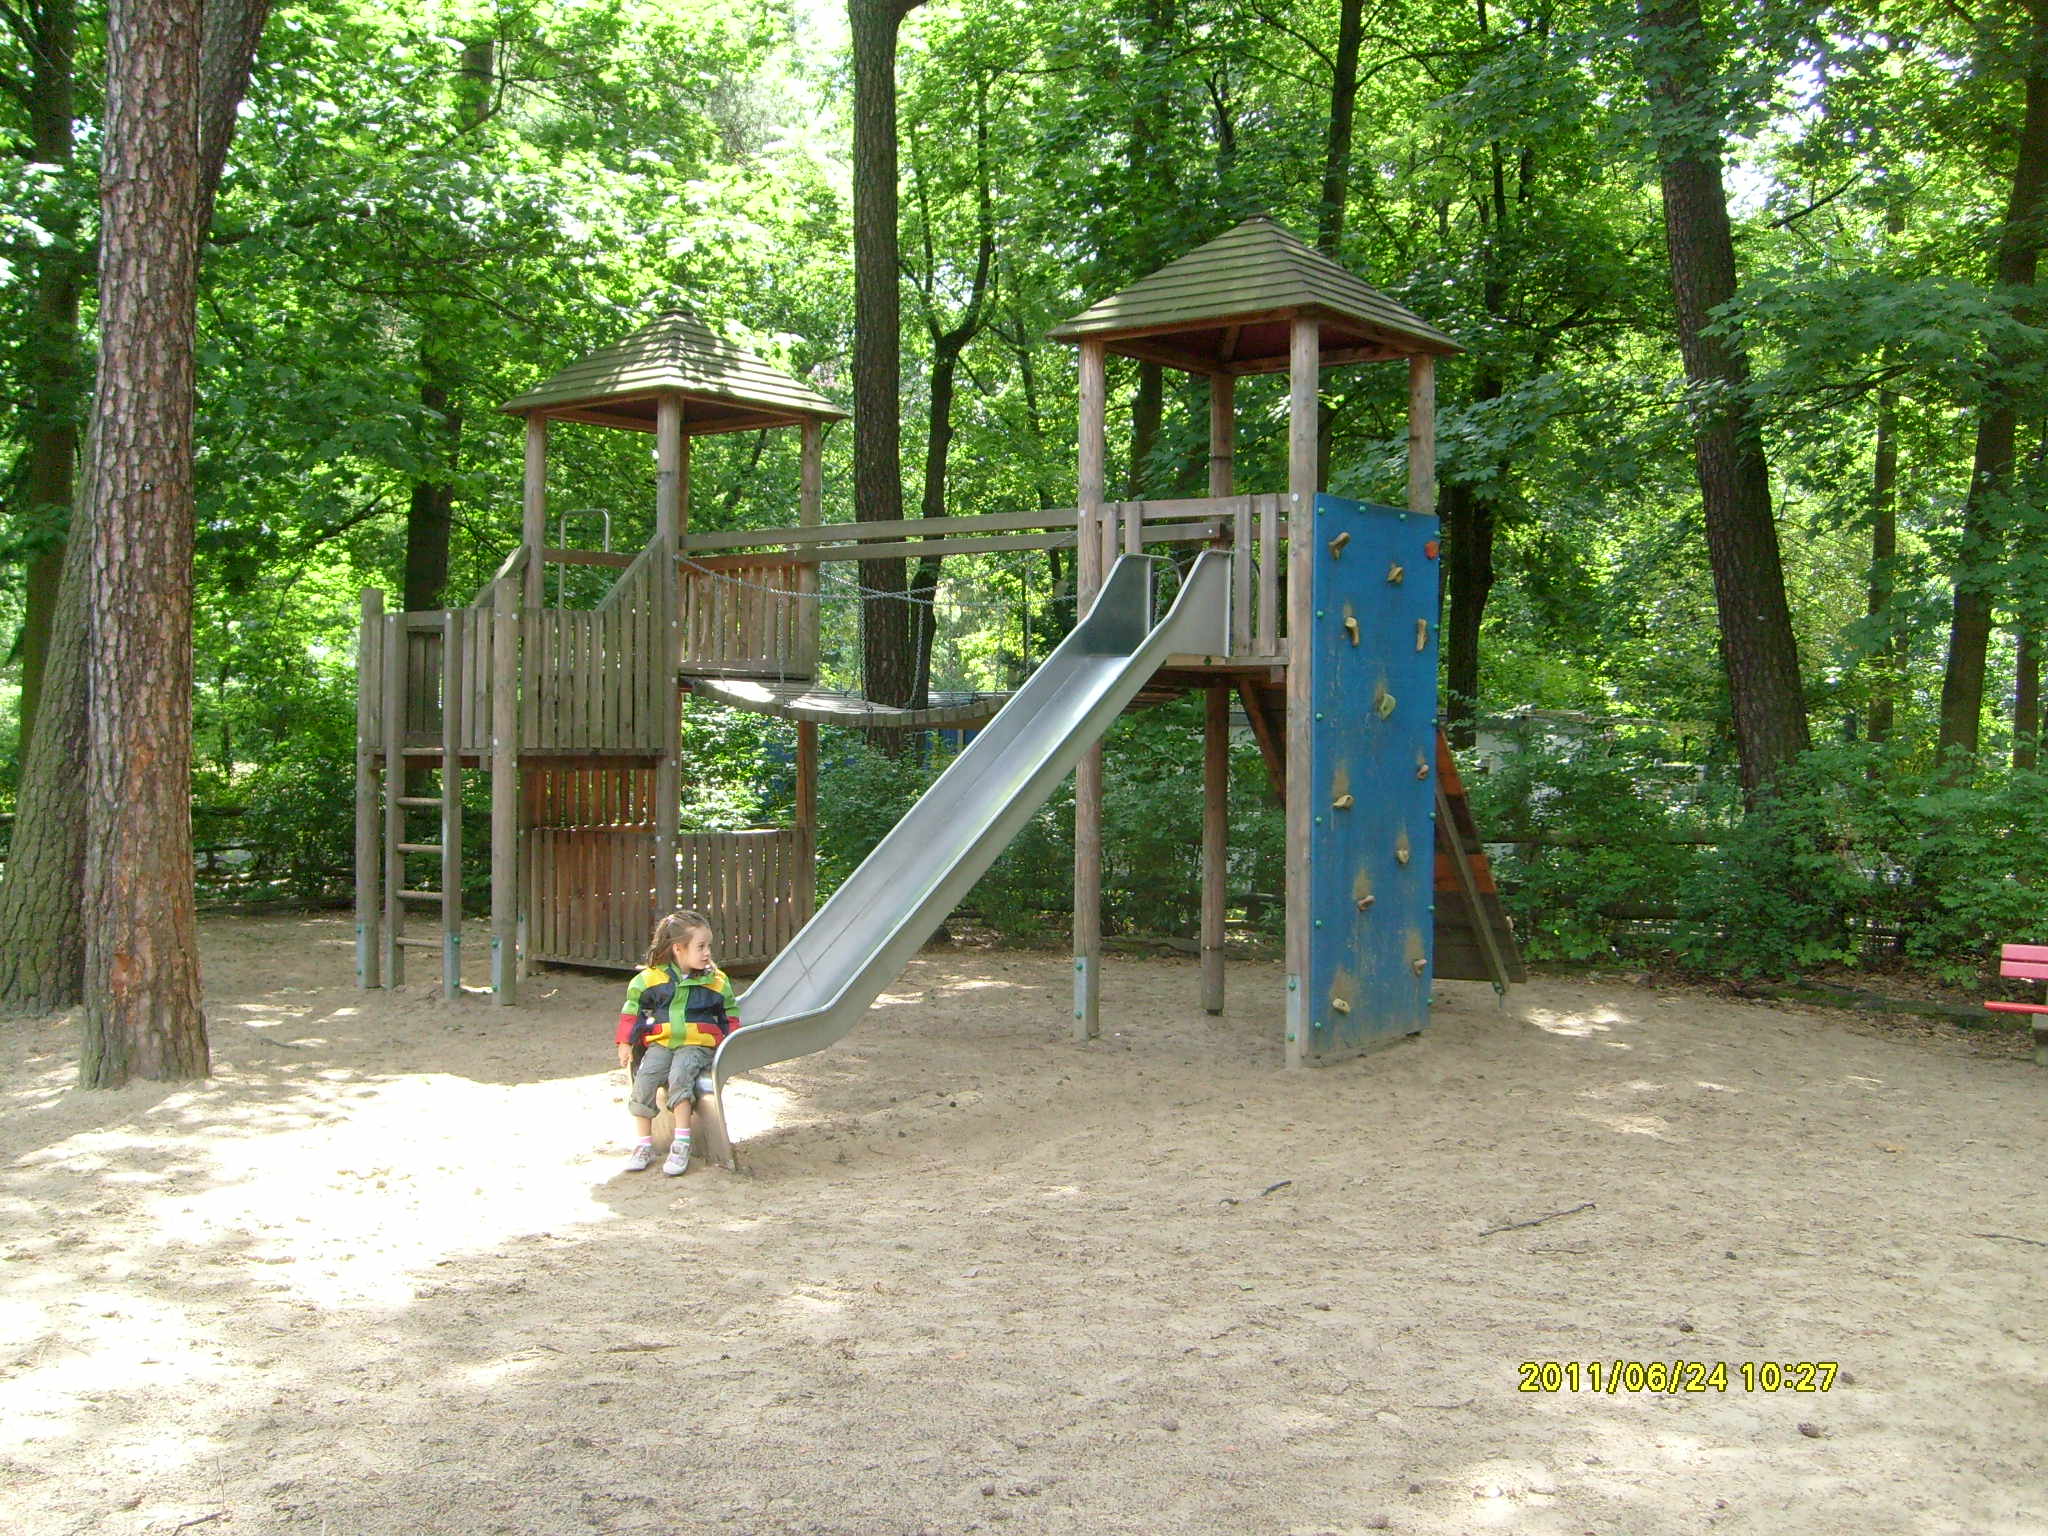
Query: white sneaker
point(678, 1157)
point(642, 1158)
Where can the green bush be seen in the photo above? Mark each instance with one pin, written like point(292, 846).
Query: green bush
point(1606, 811)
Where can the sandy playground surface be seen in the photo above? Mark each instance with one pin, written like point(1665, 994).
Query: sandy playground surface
point(384, 1274)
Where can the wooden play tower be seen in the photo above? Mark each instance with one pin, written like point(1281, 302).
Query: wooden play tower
point(575, 713)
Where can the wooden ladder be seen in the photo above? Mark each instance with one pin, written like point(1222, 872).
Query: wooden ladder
point(447, 800)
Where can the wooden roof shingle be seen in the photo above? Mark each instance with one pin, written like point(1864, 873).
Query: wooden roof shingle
point(1223, 308)
point(726, 387)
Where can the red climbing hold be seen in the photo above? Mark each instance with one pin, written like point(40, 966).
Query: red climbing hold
point(1430, 549)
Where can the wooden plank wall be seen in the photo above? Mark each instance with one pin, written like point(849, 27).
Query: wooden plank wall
point(590, 872)
point(755, 887)
point(749, 614)
point(590, 864)
point(594, 676)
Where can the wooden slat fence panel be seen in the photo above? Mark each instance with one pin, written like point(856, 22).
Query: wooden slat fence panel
point(749, 614)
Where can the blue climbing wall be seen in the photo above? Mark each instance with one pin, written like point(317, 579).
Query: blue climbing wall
point(1372, 692)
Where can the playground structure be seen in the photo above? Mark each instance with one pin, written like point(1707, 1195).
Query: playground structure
point(1317, 614)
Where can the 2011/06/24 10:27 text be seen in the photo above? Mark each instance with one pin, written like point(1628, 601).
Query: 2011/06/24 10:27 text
point(1672, 1376)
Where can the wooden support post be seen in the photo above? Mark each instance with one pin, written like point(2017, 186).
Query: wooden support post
point(1422, 434)
point(810, 500)
point(451, 805)
point(1215, 838)
point(1222, 434)
point(1304, 369)
point(806, 820)
point(1088, 772)
point(671, 523)
point(671, 472)
point(369, 856)
point(504, 793)
point(534, 507)
point(394, 791)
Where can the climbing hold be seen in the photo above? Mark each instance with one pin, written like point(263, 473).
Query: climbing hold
point(1337, 544)
point(1382, 701)
point(1431, 549)
point(1418, 965)
point(1343, 802)
point(1421, 770)
point(1422, 634)
point(1401, 852)
point(1365, 901)
point(1395, 575)
point(1351, 628)
point(1340, 1005)
point(1319, 613)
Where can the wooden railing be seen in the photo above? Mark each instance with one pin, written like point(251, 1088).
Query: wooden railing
point(593, 679)
point(749, 615)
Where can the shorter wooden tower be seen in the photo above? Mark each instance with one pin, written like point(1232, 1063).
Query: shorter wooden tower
point(575, 712)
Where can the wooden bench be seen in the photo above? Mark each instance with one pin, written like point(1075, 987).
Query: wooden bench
point(2030, 962)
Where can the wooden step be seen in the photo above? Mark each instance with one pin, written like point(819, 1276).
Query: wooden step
point(419, 847)
point(415, 802)
point(405, 943)
point(419, 895)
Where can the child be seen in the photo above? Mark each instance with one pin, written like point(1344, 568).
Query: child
point(677, 1010)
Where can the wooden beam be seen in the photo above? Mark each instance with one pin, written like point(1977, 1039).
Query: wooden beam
point(617, 559)
point(1303, 375)
point(801, 535)
point(1215, 838)
point(810, 500)
point(505, 794)
point(1088, 772)
point(1422, 434)
point(369, 856)
point(1222, 434)
point(534, 505)
point(671, 472)
point(1271, 749)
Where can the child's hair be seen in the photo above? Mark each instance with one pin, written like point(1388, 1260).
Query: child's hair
point(671, 931)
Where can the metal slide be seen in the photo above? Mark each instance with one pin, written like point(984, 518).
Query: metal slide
point(818, 988)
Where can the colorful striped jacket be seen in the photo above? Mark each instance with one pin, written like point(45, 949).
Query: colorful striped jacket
point(665, 1006)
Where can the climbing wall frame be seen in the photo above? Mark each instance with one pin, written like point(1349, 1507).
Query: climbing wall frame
point(1372, 659)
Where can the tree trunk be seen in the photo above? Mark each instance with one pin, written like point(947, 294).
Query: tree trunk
point(50, 363)
point(1884, 554)
point(1337, 145)
point(429, 514)
point(2013, 269)
point(42, 936)
point(1758, 651)
point(42, 945)
point(142, 1009)
point(2026, 704)
point(887, 665)
point(1148, 411)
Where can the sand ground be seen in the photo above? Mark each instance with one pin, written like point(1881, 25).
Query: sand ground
point(384, 1274)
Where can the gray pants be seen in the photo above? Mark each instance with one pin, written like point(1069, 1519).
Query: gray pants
point(679, 1066)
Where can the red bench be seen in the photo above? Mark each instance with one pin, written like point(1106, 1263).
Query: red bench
point(2029, 961)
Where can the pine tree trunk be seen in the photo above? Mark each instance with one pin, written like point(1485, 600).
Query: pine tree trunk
point(1758, 651)
point(887, 664)
point(2026, 704)
point(2014, 268)
point(142, 1012)
point(429, 514)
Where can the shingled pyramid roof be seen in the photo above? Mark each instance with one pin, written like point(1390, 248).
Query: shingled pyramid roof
point(1224, 307)
point(725, 387)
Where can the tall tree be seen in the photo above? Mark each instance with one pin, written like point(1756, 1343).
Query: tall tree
point(2014, 267)
point(1759, 655)
point(887, 664)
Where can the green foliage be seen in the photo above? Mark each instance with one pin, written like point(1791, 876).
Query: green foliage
point(1595, 818)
